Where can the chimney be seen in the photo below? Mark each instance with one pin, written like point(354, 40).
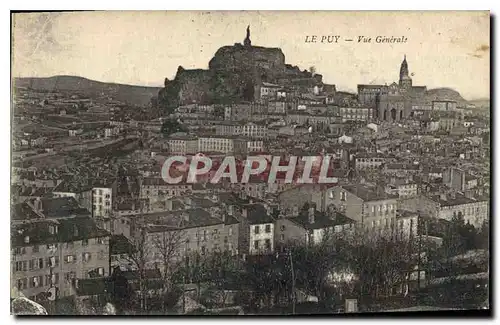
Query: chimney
point(311, 214)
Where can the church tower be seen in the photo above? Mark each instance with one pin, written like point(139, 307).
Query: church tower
point(247, 42)
point(404, 75)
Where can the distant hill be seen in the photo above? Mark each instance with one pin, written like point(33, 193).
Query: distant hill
point(135, 95)
point(445, 94)
point(481, 102)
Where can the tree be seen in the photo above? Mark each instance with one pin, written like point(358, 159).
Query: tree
point(171, 126)
point(168, 245)
point(139, 256)
point(223, 272)
point(483, 236)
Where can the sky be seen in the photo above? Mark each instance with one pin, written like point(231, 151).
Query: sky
point(443, 49)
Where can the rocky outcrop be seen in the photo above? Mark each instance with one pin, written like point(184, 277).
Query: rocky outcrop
point(232, 75)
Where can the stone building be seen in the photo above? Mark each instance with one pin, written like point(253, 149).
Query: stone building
point(393, 102)
point(55, 253)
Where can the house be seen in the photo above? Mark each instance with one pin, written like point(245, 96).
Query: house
point(191, 231)
point(402, 187)
point(369, 207)
point(365, 161)
point(311, 227)
point(75, 131)
point(256, 230)
point(55, 252)
point(156, 189)
point(119, 250)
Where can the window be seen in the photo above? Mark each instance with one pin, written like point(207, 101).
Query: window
point(85, 242)
point(256, 230)
point(70, 276)
point(268, 244)
point(22, 283)
point(86, 257)
point(332, 195)
point(70, 259)
point(230, 231)
point(36, 281)
point(256, 244)
point(268, 228)
point(283, 228)
point(342, 196)
point(36, 249)
point(282, 237)
point(52, 229)
point(203, 250)
point(204, 235)
point(373, 209)
point(40, 263)
point(55, 278)
point(19, 266)
point(100, 240)
point(31, 265)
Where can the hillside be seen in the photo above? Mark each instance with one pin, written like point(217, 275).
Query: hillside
point(481, 102)
point(445, 94)
point(233, 75)
point(134, 95)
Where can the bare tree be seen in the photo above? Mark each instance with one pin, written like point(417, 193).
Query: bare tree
point(168, 244)
point(139, 257)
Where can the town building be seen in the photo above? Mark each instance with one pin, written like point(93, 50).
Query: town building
point(311, 227)
point(55, 253)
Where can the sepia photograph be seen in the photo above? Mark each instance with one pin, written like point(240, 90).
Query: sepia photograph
point(245, 163)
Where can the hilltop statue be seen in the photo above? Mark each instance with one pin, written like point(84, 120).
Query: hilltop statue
point(247, 41)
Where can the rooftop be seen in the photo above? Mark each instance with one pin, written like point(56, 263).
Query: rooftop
point(68, 230)
point(257, 214)
point(321, 220)
point(367, 194)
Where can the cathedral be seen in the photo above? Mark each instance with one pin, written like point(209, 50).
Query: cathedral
point(392, 102)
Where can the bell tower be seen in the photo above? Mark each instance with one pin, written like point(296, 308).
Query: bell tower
point(404, 75)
